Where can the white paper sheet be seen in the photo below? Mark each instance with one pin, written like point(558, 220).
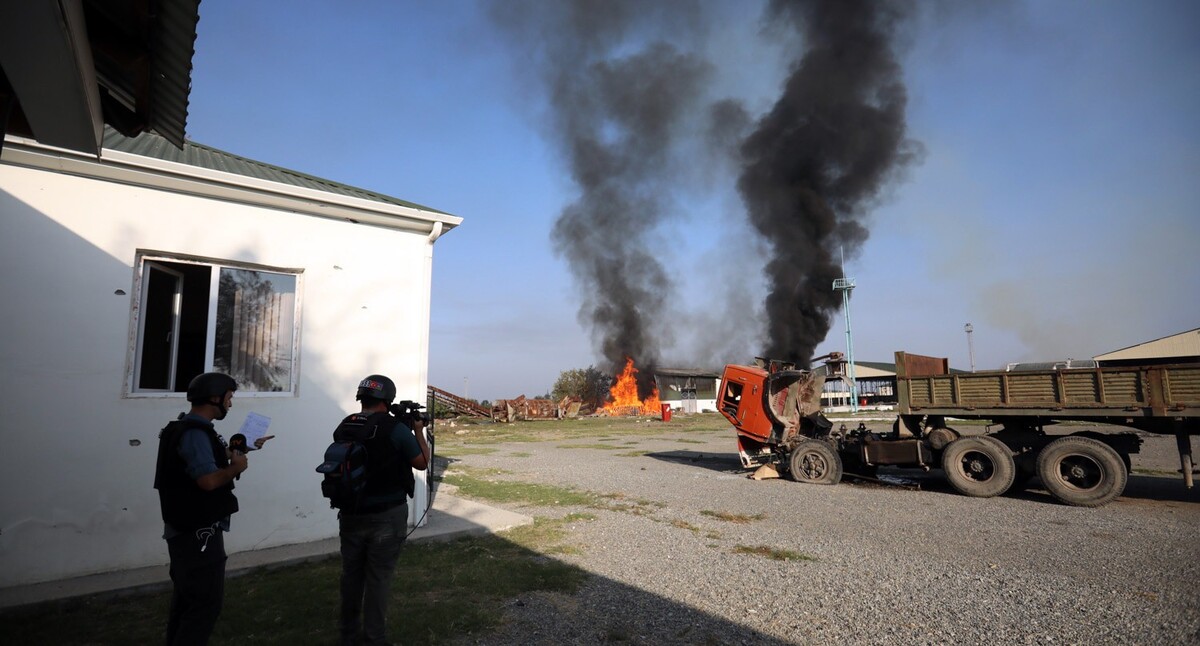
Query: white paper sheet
point(254, 427)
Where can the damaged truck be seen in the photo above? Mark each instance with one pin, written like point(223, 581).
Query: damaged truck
point(775, 409)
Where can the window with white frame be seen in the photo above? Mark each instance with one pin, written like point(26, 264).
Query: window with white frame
point(193, 316)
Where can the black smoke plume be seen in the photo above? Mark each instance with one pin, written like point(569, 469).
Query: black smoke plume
point(821, 156)
point(619, 109)
point(631, 111)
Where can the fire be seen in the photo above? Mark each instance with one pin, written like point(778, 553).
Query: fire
point(624, 395)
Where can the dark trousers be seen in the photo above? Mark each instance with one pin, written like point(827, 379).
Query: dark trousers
point(198, 575)
point(370, 546)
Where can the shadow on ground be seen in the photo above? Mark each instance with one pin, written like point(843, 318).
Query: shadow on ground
point(482, 590)
point(721, 462)
point(1139, 487)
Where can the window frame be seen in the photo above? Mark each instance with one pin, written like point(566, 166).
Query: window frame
point(137, 321)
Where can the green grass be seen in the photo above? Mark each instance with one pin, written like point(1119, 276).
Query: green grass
point(740, 519)
point(442, 591)
point(584, 428)
point(772, 553)
point(459, 451)
point(483, 485)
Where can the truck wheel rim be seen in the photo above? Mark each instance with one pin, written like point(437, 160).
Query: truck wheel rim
point(977, 466)
point(813, 466)
point(1080, 472)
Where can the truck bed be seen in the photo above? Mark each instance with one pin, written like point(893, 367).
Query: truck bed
point(1160, 398)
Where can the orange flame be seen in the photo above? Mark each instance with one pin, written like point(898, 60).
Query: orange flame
point(624, 395)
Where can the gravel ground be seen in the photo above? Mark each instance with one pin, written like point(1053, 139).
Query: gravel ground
point(890, 564)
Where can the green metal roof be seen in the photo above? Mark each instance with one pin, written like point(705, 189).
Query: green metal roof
point(154, 146)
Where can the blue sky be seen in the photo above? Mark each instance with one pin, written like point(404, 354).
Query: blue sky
point(1054, 205)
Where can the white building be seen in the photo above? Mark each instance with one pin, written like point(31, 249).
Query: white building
point(128, 265)
point(125, 276)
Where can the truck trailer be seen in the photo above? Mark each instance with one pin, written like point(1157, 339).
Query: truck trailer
point(775, 409)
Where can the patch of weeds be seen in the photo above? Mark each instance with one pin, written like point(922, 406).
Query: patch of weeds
point(683, 524)
point(546, 535)
point(520, 454)
point(479, 483)
point(603, 447)
point(740, 519)
point(459, 451)
point(687, 441)
point(619, 502)
point(1154, 472)
point(632, 454)
point(713, 536)
point(773, 553)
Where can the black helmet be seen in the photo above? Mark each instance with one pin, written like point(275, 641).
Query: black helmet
point(376, 387)
point(204, 387)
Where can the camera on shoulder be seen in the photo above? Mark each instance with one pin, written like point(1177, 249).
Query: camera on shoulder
point(409, 412)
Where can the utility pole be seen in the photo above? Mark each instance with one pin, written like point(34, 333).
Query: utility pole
point(846, 285)
point(968, 328)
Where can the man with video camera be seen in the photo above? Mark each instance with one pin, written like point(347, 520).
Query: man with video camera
point(372, 532)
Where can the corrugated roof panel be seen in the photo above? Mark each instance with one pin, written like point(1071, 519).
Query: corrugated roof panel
point(151, 145)
point(171, 72)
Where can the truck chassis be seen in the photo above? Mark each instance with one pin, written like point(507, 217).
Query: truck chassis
point(776, 412)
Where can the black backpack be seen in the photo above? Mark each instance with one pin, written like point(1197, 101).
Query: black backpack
point(345, 465)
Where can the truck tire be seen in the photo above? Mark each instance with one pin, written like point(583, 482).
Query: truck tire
point(1082, 471)
point(978, 466)
point(815, 462)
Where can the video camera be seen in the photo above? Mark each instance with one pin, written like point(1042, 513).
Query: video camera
point(409, 412)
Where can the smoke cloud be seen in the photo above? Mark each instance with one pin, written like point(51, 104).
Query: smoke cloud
point(620, 112)
point(631, 110)
point(820, 157)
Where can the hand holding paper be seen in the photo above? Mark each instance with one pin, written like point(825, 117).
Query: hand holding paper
point(255, 429)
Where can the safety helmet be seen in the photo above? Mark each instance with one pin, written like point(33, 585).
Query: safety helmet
point(376, 387)
point(205, 386)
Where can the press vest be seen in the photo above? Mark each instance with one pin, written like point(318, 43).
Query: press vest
point(185, 506)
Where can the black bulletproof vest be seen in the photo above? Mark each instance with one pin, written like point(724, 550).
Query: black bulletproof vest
point(185, 506)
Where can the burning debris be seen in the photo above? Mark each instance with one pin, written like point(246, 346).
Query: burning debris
point(625, 400)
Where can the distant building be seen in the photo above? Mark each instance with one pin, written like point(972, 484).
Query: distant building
point(1177, 348)
point(687, 390)
point(876, 385)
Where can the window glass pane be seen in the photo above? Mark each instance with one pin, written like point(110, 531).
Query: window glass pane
point(255, 319)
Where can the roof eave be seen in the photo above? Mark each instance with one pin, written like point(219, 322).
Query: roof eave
point(181, 178)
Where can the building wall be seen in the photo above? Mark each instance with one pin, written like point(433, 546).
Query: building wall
point(80, 455)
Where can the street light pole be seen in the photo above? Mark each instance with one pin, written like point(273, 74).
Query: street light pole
point(968, 328)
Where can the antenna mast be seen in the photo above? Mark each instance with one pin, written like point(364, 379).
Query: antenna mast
point(845, 286)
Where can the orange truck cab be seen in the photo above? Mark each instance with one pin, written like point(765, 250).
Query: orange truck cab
point(769, 405)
